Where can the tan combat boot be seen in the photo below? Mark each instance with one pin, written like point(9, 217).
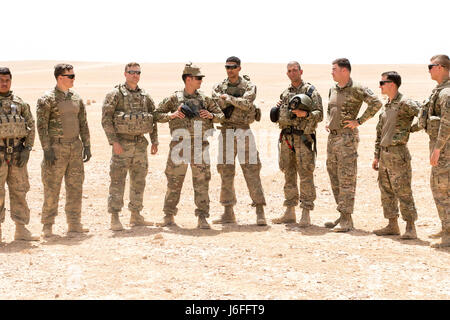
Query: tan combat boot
point(391, 229)
point(202, 223)
point(168, 220)
point(332, 224)
point(260, 217)
point(136, 220)
point(115, 222)
point(445, 240)
point(77, 228)
point(47, 231)
point(227, 217)
point(288, 216)
point(305, 221)
point(346, 223)
point(410, 232)
point(22, 233)
point(437, 235)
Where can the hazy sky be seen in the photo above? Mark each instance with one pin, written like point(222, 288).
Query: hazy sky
point(314, 31)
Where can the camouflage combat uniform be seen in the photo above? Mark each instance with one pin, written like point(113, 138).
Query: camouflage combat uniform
point(134, 158)
point(437, 125)
point(394, 173)
point(297, 155)
point(342, 147)
point(10, 172)
point(61, 122)
point(241, 96)
point(176, 172)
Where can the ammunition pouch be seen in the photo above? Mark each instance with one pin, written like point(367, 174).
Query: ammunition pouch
point(12, 126)
point(133, 123)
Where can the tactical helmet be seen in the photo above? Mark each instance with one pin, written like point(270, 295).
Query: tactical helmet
point(301, 102)
point(274, 114)
point(192, 70)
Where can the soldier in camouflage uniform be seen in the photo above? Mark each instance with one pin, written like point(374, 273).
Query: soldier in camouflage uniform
point(127, 115)
point(435, 119)
point(61, 122)
point(190, 115)
point(16, 142)
point(345, 100)
point(235, 96)
point(392, 158)
point(297, 146)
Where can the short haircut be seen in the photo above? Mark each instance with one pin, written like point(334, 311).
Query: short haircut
point(5, 71)
point(131, 64)
point(343, 63)
point(184, 76)
point(234, 59)
point(393, 76)
point(294, 63)
point(61, 68)
point(442, 59)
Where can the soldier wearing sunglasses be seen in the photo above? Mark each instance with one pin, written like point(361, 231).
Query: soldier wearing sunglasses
point(235, 96)
point(435, 120)
point(128, 115)
point(61, 121)
point(190, 115)
point(392, 158)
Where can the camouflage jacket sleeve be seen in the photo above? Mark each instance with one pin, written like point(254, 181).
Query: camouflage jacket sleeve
point(444, 128)
point(212, 107)
point(373, 104)
point(84, 129)
point(154, 134)
point(108, 109)
point(316, 114)
point(43, 109)
point(246, 101)
point(378, 138)
point(328, 108)
point(165, 108)
point(28, 116)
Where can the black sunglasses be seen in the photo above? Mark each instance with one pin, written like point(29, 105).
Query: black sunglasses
point(198, 78)
point(70, 76)
point(383, 82)
point(134, 72)
point(234, 66)
point(430, 66)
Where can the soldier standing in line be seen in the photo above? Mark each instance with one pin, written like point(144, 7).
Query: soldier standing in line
point(435, 119)
point(190, 115)
point(297, 113)
point(345, 100)
point(61, 122)
point(127, 115)
point(16, 141)
point(235, 96)
point(392, 158)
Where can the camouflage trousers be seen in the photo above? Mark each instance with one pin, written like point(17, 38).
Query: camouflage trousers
point(68, 165)
point(134, 160)
point(300, 162)
point(18, 186)
point(440, 184)
point(176, 172)
point(245, 149)
point(342, 161)
point(394, 180)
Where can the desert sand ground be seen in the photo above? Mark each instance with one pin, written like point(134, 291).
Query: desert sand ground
point(237, 262)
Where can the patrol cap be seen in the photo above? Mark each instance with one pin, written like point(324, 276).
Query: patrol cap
point(192, 70)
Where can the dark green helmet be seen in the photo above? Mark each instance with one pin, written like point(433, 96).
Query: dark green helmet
point(301, 102)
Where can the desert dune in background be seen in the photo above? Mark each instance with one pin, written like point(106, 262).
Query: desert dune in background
point(229, 262)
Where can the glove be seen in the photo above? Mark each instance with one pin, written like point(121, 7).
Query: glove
point(49, 157)
point(86, 153)
point(24, 155)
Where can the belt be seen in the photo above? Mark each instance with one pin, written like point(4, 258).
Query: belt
point(233, 126)
point(63, 140)
point(392, 148)
point(130, 137)
point(10, 150)
point(291, 130)
point(340, 131)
